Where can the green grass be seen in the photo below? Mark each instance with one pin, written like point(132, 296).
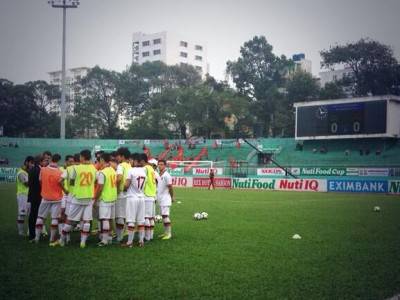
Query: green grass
point(244, 250)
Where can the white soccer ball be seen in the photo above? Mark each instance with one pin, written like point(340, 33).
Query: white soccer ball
point(377, 208)
point(158, 218)
point(197, 216)
point(296, 237)
point(204, 215)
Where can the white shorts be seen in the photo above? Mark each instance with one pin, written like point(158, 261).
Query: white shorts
point(106, 212)
point(120, 207)
point(149, 207)
point(135, 210)
point(165, 210)
point(64, 201)
point(22, 202)
point(52, 207)
point(80, 211)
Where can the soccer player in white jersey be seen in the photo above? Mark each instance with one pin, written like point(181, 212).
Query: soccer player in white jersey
point(123, 168)
point(165, 197)
point(135, 200)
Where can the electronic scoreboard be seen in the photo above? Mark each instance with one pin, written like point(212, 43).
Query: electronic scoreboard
point(347, 118)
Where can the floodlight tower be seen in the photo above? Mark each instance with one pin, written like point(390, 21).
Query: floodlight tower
point(64, 4)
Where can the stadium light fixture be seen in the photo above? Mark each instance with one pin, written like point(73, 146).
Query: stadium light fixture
point(64, 4)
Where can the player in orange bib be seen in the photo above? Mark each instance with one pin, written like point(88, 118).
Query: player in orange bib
point(52, 193)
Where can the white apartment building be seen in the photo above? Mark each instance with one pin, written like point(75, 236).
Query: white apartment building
point(301, 63)
point(124, 121)
point(73, 75)
point(172, 49)
point(334, 75)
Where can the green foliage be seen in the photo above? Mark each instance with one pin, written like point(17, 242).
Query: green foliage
point(243, 250)
point(23, 109)
point(332, 90)
point(375, 69)
point(99, 102)
point(174, 102)
point(259, 74)
point(302, 86)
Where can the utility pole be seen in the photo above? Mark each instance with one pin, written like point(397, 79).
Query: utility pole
point(64, 4)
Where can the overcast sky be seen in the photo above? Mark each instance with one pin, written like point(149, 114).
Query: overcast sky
point(99, 31)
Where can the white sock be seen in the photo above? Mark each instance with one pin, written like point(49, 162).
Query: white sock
point(106, 231)
point(151, 228)
point(131, 234)
point(141, 234)
point(147, 229)
point(119, 229)
point(44, 230)
point(20, 226)
point(65, 234)
point(60, 228)
point(85, 232)
point(53, 233)
point(38, 228)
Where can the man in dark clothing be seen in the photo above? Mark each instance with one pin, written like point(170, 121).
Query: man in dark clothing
point(34, 197)
point(212, 180)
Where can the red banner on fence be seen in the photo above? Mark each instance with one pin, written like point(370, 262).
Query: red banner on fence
point(220, 182)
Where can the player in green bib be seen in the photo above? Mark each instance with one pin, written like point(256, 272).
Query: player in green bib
point(22, 193)
point(106, 194)
point(83, 179)
point(150, 191)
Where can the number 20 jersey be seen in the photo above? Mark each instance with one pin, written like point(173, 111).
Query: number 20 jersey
point(84, 181)
point(137, 177)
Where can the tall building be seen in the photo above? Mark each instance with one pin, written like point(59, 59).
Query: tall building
point(72, 76)
point(334, 75)
point(301, 63)
point(169, 48)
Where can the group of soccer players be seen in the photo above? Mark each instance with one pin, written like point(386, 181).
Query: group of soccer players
point(119, 189)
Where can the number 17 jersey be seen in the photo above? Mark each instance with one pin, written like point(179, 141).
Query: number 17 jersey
point(137, 177)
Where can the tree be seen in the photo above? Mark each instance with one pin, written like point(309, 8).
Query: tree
point(47, 99)
point(375, 69)
point(331, 90)
point(46, 96)
point(259, 74)
point(302, 86)
point(99, 101)
point(18, 110)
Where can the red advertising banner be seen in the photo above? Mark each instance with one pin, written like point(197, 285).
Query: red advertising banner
point(219, 182)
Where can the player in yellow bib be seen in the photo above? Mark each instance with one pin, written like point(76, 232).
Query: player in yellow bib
point(106, 195)
point(150, 191)
point(83, 179)
point(22, 193)
point(123, 168)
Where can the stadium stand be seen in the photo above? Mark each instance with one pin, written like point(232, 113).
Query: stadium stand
point(288, 151)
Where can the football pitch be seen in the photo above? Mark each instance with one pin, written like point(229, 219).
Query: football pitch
point(244, 250)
